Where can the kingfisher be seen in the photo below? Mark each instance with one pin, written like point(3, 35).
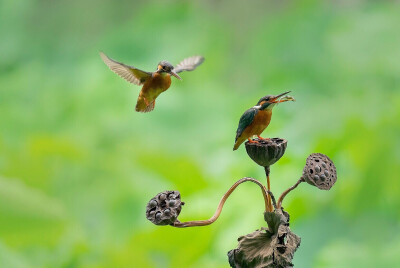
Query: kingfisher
point(153, 83)
point(256, 119)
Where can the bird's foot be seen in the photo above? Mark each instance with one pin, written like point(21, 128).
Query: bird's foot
point(262, 139)
point(252, 141)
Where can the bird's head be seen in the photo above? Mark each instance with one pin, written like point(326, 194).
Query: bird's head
point(269, 101)
point(166, 67)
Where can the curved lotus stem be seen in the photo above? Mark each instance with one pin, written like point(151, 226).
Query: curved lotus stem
point(221, 205)
point(280, 199)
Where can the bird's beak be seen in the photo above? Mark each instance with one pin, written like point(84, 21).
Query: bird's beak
point(276, 98)
point(176, 75)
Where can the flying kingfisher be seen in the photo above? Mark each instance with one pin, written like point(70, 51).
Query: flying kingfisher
point(256, 119)
point(154, 83)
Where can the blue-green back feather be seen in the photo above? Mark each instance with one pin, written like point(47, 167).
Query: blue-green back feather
point(246, 119)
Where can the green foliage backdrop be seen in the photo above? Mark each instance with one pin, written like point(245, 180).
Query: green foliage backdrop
point(78, 165)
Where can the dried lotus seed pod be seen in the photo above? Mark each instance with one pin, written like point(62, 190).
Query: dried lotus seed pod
point(266, 152)
point(320, 171)
point(164, 208)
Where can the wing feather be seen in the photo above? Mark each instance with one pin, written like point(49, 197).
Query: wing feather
point(245, 120)
point(189, 64)
point(129, 73)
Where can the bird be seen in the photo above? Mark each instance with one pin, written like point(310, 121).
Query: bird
point(256, 119)
point(153, 83)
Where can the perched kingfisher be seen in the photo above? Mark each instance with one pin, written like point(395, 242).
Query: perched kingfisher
point(154, 83)
point(256, 119)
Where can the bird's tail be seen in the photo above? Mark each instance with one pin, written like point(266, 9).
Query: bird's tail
point(141, 105)
point(237, 143)
point(236, 146)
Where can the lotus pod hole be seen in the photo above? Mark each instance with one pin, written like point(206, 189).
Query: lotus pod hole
point(266, 152)
point(320, 171)
point(164, 208)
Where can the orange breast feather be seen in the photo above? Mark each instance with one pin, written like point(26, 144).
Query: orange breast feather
point(159, 81)
point(260, 123)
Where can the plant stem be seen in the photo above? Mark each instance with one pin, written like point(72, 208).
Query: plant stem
point(221, 204)
point(267, 171)
point(270, 194)
point(279, 204)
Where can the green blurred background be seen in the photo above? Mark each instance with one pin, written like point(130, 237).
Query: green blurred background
point(78, 164)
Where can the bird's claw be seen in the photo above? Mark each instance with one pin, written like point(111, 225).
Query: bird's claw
point(262, 139)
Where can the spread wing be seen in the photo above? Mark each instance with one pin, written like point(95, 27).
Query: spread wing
point(245, 121)
point(129, 73)
point(189, 64)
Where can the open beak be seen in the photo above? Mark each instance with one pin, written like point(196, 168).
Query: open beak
point(276, 98)
point(176, 75)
